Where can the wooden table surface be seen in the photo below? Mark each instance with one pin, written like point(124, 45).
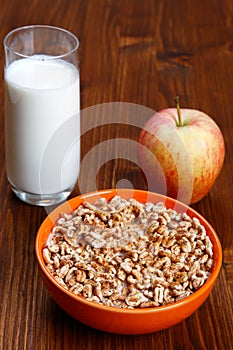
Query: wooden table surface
point(140, 53)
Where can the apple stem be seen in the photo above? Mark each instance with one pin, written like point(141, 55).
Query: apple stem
point(179, 122)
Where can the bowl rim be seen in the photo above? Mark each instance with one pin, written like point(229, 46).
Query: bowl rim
point(71, 205)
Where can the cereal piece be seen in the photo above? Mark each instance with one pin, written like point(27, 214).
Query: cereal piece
point(87, 290)
point(62, 272)
point(47, 256)
point(127, 265)
point(135, 300)
point(77, 288)
point(121, 274)
point(81, 276)
point(158, 295)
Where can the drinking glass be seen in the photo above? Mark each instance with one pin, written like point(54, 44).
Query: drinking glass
point(42, 113)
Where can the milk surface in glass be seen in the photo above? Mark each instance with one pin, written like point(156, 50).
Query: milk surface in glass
point(42, 124)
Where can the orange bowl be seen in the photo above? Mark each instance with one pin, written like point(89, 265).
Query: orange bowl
point(120, 320)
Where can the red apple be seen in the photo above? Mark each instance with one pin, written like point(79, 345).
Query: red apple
point(181, 152)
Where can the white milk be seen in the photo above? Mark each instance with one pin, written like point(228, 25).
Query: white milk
point(42, 125)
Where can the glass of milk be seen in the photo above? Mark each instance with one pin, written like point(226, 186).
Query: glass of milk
point(42, 113)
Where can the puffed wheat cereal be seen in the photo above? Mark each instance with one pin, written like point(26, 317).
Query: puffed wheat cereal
point(126, 254)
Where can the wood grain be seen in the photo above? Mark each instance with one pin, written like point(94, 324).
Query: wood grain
point(140, 53)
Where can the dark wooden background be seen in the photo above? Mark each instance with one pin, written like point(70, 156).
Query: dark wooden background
point(137, 52)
